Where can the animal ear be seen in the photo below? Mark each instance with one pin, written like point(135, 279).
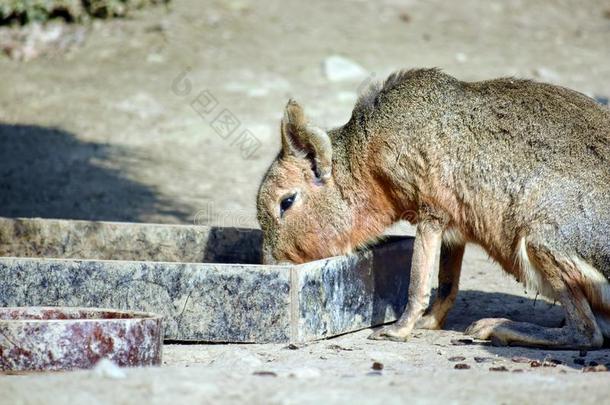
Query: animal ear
point(306, 141)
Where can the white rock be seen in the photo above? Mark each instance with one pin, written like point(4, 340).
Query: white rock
point(258, 92)
point(155, 58)
point(547, 74)
point(337, 68)
point(107, 369)
point(305, 373)
point(461, 57)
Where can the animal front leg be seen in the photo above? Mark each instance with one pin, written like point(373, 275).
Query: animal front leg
point(580, 330)
point(450, 267)
point(427, 243)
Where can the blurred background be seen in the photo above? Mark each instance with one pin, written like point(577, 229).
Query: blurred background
point(168, 111)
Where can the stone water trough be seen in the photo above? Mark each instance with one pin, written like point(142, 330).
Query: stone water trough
point(207, 282)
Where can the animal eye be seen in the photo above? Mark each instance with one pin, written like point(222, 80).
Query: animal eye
point(286, 203)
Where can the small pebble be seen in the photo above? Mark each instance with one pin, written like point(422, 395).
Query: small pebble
point(461, 366)
point(483, 359)
point(547, 74)
point(518, 370)
point(305, 373)
point(535, 363)
point(155, 58)
point(339, 348)
point(338, 68)
point(461, 342)
point(292, 346)
point(377, 366)
point(499, 368)
point(521, 359)
point(457, 358)
point(548, 363)
point(595, 369)
point(265, 373)
point(461, 57)
point(404, 16)
point(106, 368)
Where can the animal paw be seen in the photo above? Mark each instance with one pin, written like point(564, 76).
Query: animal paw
point(429, 322)
point(488, 329)
point(394, 332)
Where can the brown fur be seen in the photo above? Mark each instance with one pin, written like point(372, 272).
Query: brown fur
point(518, 167)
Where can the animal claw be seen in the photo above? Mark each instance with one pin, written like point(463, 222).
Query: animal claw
point(393, 333)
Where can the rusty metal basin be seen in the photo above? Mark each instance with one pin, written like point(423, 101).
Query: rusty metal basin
point(61, 338)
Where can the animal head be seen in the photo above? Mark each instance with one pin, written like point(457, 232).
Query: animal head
point(300, 208)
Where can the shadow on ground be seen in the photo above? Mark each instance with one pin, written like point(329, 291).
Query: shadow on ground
point(472, 305)
point(47, 172)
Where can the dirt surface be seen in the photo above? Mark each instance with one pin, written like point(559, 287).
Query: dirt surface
point(106, 131)
point(433, 367)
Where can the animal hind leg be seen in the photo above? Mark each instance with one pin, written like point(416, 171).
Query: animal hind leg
point(580, 331)
point(448, 285)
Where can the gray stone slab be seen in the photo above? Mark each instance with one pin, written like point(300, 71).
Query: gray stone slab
point(206, 281)
point(127, 241)
point(349, 293)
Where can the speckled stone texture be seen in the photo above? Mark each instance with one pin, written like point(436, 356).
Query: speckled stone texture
point(51, 339)
point(208, 302)
point(206, 282)
point(344, 294)
point(127, 241)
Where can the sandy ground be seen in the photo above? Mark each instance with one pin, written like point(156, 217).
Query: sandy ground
point(344, 369)
point(106, 131)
